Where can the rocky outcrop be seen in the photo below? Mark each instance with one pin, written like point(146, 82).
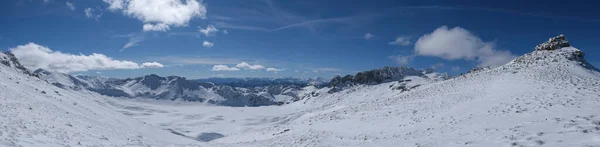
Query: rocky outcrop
point(478, 69)
point(381, 75)
point(556, 50)
point(9, 59)
point(554, 43)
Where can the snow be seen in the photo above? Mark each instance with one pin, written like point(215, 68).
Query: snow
point(545, 98)
point(35, 113)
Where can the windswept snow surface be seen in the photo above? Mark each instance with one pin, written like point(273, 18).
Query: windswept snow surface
point(545, 98)
point(35, 113)
point(553, 101)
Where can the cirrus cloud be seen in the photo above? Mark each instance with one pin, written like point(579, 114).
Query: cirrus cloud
point(34, 56)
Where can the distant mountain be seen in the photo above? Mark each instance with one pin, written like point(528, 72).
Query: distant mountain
point(235, 91)
point(261, 82)
point(403, 75)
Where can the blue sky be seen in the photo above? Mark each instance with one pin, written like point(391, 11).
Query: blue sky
point(280, 38)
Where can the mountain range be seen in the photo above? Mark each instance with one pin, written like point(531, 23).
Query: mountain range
point(223, 91)
point(548, 97)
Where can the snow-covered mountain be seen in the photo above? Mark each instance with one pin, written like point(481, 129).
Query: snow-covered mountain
point(406, 78)
point(179, 88)
point(233, 91)
point(35, 113)
point(549, 97)
point(263, 82)
point(544, 98)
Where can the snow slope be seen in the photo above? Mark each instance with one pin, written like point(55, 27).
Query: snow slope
point(545, 98)
point(35, 113)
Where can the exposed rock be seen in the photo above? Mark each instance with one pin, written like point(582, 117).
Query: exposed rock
point(554, 43)
point(381, 75)
point(9, 59)
point(478, 69)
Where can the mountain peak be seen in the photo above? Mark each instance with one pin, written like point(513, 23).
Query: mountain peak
point(555, 50)
point(9, 59)
point(554, 43)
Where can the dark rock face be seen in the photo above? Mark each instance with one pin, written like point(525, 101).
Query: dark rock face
point(385, 74)
point(554, 43)
point(478, 69)
point(12, 61)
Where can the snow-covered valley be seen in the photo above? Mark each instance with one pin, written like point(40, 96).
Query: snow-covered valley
point(544, 98)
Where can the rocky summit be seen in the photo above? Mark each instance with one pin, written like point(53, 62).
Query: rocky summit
point(554, 43)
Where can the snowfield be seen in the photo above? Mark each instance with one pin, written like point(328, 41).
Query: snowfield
point(545, 98)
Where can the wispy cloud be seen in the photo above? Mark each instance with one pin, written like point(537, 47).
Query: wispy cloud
point(499, 10)
point(134, 40)
point(272, 18)
point(198, 60)
point(275, 70)
point(209, 31)
point(208, 44)
point(219, 17)
point(326, 69)
point(402, 59)
point(240, 27)
point(401, 41)
point(369, 36)
point(70, 5)
point(311, 22)
point(90, 13)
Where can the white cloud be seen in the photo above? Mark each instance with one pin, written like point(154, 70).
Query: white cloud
point(34, 56)
point(209, 31)
point(224, 68)
point(402, 60)
point(156, 27)
point(274, 69)
point(326, 69)
point(207, 44)
point(89, 12)
point(134, 40)
point(70, 5)
point(369, 36)
point(168, 12)
point(197, 60)
point(401, 41)
point(247, 66)
point(225, 32)
point(152, 65)
point(458, 43)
